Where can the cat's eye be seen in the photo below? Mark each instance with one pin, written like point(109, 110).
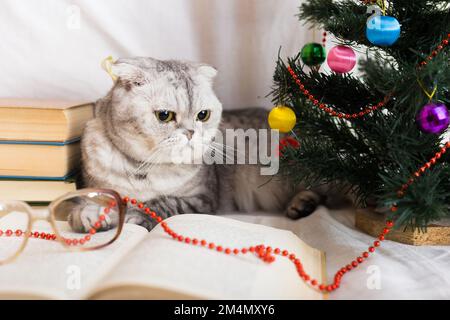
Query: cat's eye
point(203, 115)
point(165, 115)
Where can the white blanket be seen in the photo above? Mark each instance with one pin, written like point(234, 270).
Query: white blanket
point(395, 271)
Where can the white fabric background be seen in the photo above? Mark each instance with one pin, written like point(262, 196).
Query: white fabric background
point(53, 48)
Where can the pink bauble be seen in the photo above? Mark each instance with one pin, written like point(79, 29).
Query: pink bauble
point(341, 59)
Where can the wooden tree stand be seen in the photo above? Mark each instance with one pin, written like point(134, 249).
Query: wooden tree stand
point(372, 223)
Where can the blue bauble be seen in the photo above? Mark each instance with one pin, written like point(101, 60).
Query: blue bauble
point(382, 30)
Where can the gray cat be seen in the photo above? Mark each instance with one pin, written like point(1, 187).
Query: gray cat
point(160, 108)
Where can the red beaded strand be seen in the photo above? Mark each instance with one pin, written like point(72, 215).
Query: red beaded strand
point(330, 110)
point(401, 192)
point(436, 51)
point(265, 253)
point(52, 236)
point(31, 234)
point(324, 39)
point(368, 109)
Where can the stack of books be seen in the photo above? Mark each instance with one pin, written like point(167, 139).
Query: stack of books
point(40, 147)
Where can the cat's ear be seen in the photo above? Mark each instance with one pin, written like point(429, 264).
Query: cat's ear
point(127, 71)
point(207, 71)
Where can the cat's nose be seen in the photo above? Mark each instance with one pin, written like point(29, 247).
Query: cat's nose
point(189, 133)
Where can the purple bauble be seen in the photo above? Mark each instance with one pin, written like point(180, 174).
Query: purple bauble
point(433, 118)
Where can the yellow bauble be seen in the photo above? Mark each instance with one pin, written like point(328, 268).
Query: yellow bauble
point(282, 118)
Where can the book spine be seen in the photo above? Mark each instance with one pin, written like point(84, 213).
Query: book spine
point(44, 143)
point(68, 177)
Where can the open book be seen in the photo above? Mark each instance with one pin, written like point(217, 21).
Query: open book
point(143, 265)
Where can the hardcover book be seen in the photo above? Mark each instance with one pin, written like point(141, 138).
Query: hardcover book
point(43, 120)
point(151, 265)
point(39, 160)
point(35, 190)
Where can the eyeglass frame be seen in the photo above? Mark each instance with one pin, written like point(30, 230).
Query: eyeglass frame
point(50, 218)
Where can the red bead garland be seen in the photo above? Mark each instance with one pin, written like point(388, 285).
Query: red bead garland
point(436, 51)
point(368, 109)
point(324, 39)
point(265, 253)
point(268, 255)
point(331, 111)
point(52, 236)
point(20, 233)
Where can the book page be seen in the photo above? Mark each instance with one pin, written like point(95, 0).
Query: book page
point(46, 269)
point(161, 267)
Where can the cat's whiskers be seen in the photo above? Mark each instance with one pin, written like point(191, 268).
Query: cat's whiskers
point(131, 174)
point(221, 145)
point(228, 148)
point(165, 144)
point(149, 160)
point(153, 160)
point(149, 164)
point(219, 151)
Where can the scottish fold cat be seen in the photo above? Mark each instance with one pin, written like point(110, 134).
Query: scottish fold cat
point(161, 110)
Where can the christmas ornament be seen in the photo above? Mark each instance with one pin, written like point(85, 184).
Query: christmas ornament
point(433, 118)
point(287, 142)
point(341, 59)
point(382, 30)
point(282, 118)
point(313, 54)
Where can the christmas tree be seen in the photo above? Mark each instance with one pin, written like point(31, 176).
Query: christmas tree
point(374, 133)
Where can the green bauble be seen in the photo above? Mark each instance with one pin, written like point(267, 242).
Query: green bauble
point(313, 54)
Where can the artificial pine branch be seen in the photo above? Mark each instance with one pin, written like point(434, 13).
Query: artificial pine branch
point(375, 155)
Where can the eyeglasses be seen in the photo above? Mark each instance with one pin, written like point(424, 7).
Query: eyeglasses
point(87, 219)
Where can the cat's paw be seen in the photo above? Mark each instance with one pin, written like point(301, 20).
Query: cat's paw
point(302, 204)
point(83, 217)
point(139, 218)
